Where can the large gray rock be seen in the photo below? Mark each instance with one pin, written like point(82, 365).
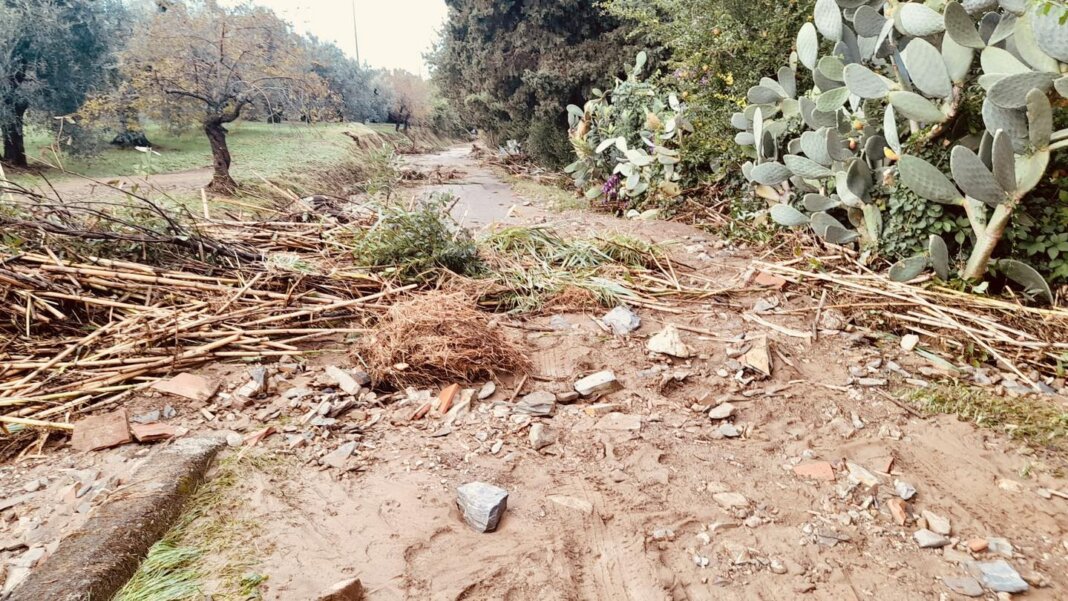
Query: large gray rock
point(482, 505)
point(602, 382)
point(539, 403)
point(1001, 577)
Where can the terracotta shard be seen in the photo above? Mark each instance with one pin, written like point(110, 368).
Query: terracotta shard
point(152, 432)
point(98, 432)
point(188, 386)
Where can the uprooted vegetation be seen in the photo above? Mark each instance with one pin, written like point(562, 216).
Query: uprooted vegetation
point(101, 298)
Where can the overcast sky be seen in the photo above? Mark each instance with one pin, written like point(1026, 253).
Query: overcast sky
point(393, 33)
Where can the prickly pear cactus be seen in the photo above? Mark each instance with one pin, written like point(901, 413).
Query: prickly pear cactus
point(909, 64)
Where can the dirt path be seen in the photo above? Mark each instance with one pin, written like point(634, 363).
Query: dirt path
point(656, 501)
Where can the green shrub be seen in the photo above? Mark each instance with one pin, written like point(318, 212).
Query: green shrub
point(626, 142)
point(414, 243)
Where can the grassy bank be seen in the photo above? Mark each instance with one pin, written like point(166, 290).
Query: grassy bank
point(256, 147)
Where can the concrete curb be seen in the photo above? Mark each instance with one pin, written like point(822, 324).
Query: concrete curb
point(95, 561)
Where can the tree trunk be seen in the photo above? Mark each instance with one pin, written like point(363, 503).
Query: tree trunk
point(985, 244)
point(14, 138)
point(221, 182)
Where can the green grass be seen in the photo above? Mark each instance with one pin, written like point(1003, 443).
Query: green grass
point(212, 551)
point(555, 198)
point(262, 148)
point(1037, 421)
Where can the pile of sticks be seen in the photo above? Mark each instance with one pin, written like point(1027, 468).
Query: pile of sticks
point(1029, 341)
point(81, 333)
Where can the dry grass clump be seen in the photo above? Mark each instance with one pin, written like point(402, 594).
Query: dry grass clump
point(437, 338)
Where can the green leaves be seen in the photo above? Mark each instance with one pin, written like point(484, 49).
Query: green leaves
point(1025, 275)
point(863, 82)
point(784, 214)
point(974, 178)
point(926, 68)
point(831, 100)
point(1039, 118)
point(916, 107)
point(960, 27)
point(908, 269)
point(919, 20)
point(770, 174)
point(1011, 92)
point(828, 19)
point(804, 167)
point(927, 181)
point(1050, 31)
point(939, 253)
point(808, 46)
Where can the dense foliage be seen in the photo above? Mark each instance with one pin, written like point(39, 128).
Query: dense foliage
point(897, 96)
point(719, 48)
point(52, 54)
point(510, 67)
point(627, 143)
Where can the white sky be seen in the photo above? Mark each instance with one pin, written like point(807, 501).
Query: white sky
point(393, 33)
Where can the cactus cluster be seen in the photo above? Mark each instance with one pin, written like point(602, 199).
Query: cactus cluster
point(627, 142)
point(818, 156)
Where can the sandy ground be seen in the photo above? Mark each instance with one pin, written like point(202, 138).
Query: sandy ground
point(637, 504)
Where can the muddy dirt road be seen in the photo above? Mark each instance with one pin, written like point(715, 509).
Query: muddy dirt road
point(643, 496)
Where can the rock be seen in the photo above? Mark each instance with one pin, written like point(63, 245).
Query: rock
point(668, 342)
point(233, 439)
point(146, 418)
point(909, 342)
point(872, 382)
point(757, 357)
point(343, 379)
point(622, 321)
point(816, 470)
point(497, 446)
point(729, 431)
point(898, 509)
point(577, 504)
point(482, 505)
point(936, 522)
point(662, 534)
point(188, 386)
point(1000, 546)
point(860, 475)
point(600, 383)
point(1001, 577)
point(101, 431)
point(929, 540)
point(487, 390)
point(730, 500)
point(541, 436)
point(721, 411)
point(152, 432)
point(969, 587)
point(538, 403)
point(701, 561)
point(567, 397)
point(339, 458)
point(977, 545)
point(904, 489)
point(767, 280)
point(620, 421)
point(33, 486)
point(777, 567)
point(346, 590)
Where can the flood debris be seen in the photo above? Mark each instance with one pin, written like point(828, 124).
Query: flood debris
point(598, 384)
point(482, 505)
point(621, 320)
point(669, 342)
point(102, 431)
point(189, 386)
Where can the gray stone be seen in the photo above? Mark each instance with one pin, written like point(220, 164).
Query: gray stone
point(346, 590)
point(622, 321)
point(169, 412)
point(538, 403)
point(730, 500)
point(567, 397)
point(721, 411)
point(256, 386)
point(541, 436)
point(233, 439)
point(339, 458)
point(927, 539)
point(487, 390)
point(1001, 546)
point(1001, 577)
point(482, 505)
point(729, 431)
point(969, 587)
point(146, 418)
point(861, 475)
point(602, 382)
point(904, 489)
point(668, 342)
point(936, 522)
point(344, 380)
